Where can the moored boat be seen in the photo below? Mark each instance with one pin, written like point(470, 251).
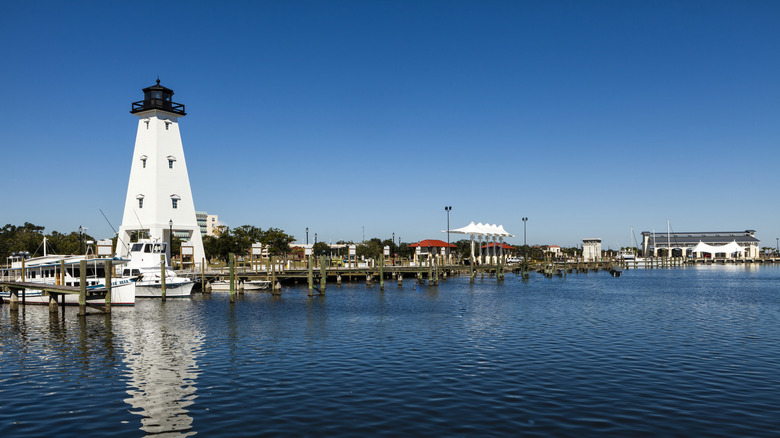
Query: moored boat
point(223, 285)
point(145, 265)
point(48, 270)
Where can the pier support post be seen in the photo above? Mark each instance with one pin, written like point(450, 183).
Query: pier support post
point(53, 305)
point(471, 263)
point(109, 267)
point(323, 274)
point(400, 279)
point(163, 291)
point(338, 279)
point(382, 273)
point(232, 270)
point(83, 287)
point(13, 302)
point(203, 276)
point(310, 275)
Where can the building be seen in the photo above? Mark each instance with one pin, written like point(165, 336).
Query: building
point(159, 199)
point(700, 244)
point(591, 250)
point(430, 248)
point(207, 223)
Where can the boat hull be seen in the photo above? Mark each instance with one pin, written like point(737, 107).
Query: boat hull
point(179, 289)
point(255, 285)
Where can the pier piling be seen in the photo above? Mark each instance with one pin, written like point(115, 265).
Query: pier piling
point(109, 268)
point(83, 288)
point(162, 276)
point(232, 270)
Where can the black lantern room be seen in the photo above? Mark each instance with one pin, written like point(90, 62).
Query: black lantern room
point(160, 98)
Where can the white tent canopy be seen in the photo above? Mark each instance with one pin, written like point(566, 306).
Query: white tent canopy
point(482, 229)
point(729, 248)
point(496, 232)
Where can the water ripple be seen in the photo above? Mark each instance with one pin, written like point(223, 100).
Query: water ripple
point(651, 353)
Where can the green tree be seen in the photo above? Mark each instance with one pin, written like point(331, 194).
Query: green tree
point(28, 237)
point(277, 240)
point(370, 249)
point(64, 243)
point(210, 247)
point(320, 248)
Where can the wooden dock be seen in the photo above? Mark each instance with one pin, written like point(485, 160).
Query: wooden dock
point(318, 274)
point(57, 293)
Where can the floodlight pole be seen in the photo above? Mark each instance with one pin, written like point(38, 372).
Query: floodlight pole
point(448, 209)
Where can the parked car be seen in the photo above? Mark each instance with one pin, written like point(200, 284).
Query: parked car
point(514, 260)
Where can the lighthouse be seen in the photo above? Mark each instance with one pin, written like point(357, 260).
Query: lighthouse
point(159, 199)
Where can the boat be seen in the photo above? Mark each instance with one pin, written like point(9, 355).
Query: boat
point(223, 285)
point(46, 270)
point(145, 265)
point(256, 284)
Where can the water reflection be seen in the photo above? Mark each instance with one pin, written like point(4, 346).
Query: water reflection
point(160, 344)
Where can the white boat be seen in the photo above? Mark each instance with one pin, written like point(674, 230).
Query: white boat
point(47, 270)
point(256, 284)
point(223, 285)
point(145, 265)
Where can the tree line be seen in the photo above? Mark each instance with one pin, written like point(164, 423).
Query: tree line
point(238, 240)
point(29, 238)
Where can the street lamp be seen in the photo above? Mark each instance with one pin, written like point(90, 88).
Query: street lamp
point(525, 245)
point(315, 238)
point(81, 238)
point(525, 219)
point(448, 209)
point(307, 235)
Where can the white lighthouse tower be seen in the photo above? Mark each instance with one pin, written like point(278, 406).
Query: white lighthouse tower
point(159, 199)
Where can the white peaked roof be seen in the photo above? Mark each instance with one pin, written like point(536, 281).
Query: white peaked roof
point(482, 229)
point(729, 248)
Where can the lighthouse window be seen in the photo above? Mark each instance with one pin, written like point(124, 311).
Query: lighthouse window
point(140, 202)
point(156, 95)
point(175, 203)
point(170, 164)
point(143, 162)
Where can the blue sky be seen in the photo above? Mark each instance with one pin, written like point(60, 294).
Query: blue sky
point(587, 117)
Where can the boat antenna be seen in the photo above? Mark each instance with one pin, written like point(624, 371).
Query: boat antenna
point(115, 231)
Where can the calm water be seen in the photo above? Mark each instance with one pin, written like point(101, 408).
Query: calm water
point(685, 352)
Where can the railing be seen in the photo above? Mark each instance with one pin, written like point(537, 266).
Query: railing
point(165, 105)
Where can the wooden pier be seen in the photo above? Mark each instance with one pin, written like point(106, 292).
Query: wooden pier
point(318, 274)
point(57, 293)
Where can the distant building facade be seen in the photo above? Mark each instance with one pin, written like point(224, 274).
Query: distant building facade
point(207, 223)
point(591, 250)
point(682, 244)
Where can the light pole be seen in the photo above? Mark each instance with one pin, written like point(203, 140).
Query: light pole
point(448, 209)
point(307, 235)
point(364, 233)
point(525, 245)
point(81, 238)
point(315, 238)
